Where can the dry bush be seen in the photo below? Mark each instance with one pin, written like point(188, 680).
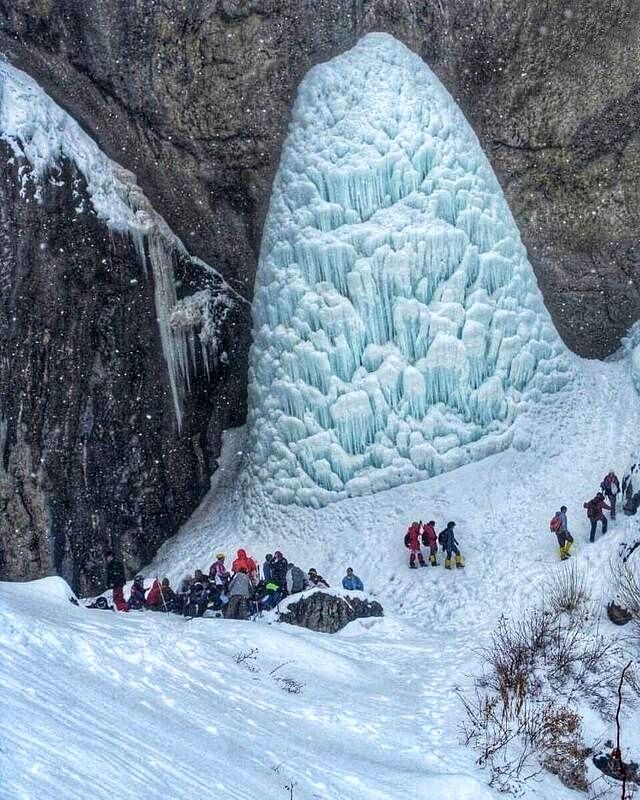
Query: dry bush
point(567, 592)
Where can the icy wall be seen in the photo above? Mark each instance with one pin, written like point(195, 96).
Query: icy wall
point(397, 323)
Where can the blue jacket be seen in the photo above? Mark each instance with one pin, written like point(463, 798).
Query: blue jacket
point(267, 572)
point(352, 583)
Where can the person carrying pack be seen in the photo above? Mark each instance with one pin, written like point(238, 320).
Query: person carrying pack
point(611, 488)
point(279, 567)
point(239, 593)
point(296, 579)
point(243, 561)
point(595, 508)
point(430, 540)
point(558, 525)
point(449, 544)
point(412, 542)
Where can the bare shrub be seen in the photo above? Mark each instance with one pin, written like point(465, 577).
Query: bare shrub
point(567, 591)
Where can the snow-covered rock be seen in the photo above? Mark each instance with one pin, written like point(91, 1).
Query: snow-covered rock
point(397, 321)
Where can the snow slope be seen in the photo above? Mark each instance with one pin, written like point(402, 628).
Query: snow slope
point(398, 324)
point(146, 703)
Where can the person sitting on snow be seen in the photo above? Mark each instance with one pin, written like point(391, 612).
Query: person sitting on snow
point(243, 561)
point(351, 582)
point(595, 508)
point(116, 580)
point(137, 597)
point(611, 488)
point(197, 601)
point(296, 579)
point(161, 596)
point(317, 580)
point(559, 526)
point(430, 540)
point(239, 594)
point(449, 544)
point(412, 541)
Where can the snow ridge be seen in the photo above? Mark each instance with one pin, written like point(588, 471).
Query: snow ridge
point(42, 135)
point(397, 323)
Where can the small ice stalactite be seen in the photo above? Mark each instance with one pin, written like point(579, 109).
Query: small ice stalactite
point(395, 311)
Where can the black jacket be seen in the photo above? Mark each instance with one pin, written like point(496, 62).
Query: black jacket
point(115, 574)
point(279, 572)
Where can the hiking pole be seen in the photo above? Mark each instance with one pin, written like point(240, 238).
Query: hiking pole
point(161, 594)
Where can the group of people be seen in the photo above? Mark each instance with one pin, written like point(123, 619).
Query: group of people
point(604, 500)
point(236, 593)
point(425, 534)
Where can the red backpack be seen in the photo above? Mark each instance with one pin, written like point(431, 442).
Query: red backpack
point(555, 524)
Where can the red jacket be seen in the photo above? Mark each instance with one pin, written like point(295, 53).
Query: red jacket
point(429, 536)
point(153, 598)
point(244, 561)
point(594, 508)
point(413, 537)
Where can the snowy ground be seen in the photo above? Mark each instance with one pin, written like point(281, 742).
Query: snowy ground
point(102, 705)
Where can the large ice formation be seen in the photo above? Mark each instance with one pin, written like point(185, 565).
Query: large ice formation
point(41, 135)
point(397, 321)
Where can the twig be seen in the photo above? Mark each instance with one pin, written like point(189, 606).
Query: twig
point(617, 753)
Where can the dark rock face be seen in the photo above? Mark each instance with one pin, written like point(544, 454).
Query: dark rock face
point(91, 455)
point(194, 98)
point(326, 613)
point(618, 615)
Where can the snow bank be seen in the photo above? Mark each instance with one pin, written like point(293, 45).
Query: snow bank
point(42, 135)
point(397, 322)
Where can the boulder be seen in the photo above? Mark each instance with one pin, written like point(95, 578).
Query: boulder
point(328, 613)
point(618, 615)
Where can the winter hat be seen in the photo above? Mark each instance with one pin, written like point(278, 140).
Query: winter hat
point(451, 524)
point(138, 579)
point(268, 557)
point(220, 556)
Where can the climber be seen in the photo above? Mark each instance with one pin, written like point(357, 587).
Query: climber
point(279, 567)
point(242, 560)
point(449, 544)
point(137, 596)
point(266, 567)
point(296, 579)
point(239, 594)
point(594, 508)
point(317, 580)
point(412, 541)
point(200, 577)
point(558, 525)
point(611, 488)
point(351, 582)
point(116, 580)
point(430, 540)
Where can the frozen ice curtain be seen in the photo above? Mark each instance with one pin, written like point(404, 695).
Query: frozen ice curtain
point(397, 323)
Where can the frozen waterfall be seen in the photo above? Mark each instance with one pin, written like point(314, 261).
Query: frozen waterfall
point(41, 134)
point(397, 323)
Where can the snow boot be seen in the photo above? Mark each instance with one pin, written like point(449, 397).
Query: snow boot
point(447, 563)
point(459, 562)
point(432, 561)
point(423, 563)
point(413, 565)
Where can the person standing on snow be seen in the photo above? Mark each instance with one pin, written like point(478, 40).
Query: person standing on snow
point(412, 541)
point(218, 573)
point(279, 567)
point(611, 488)
point(116, 580)
point(430, 540)
point(559, 526)
point(594, 508)
point(243, 561)
point(449, 544)
point(267, 572)
point(351, 582)
point(239, 594)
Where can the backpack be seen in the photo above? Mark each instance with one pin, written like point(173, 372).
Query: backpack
point(555, 524)
point(442, 537)
point(406, 539)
